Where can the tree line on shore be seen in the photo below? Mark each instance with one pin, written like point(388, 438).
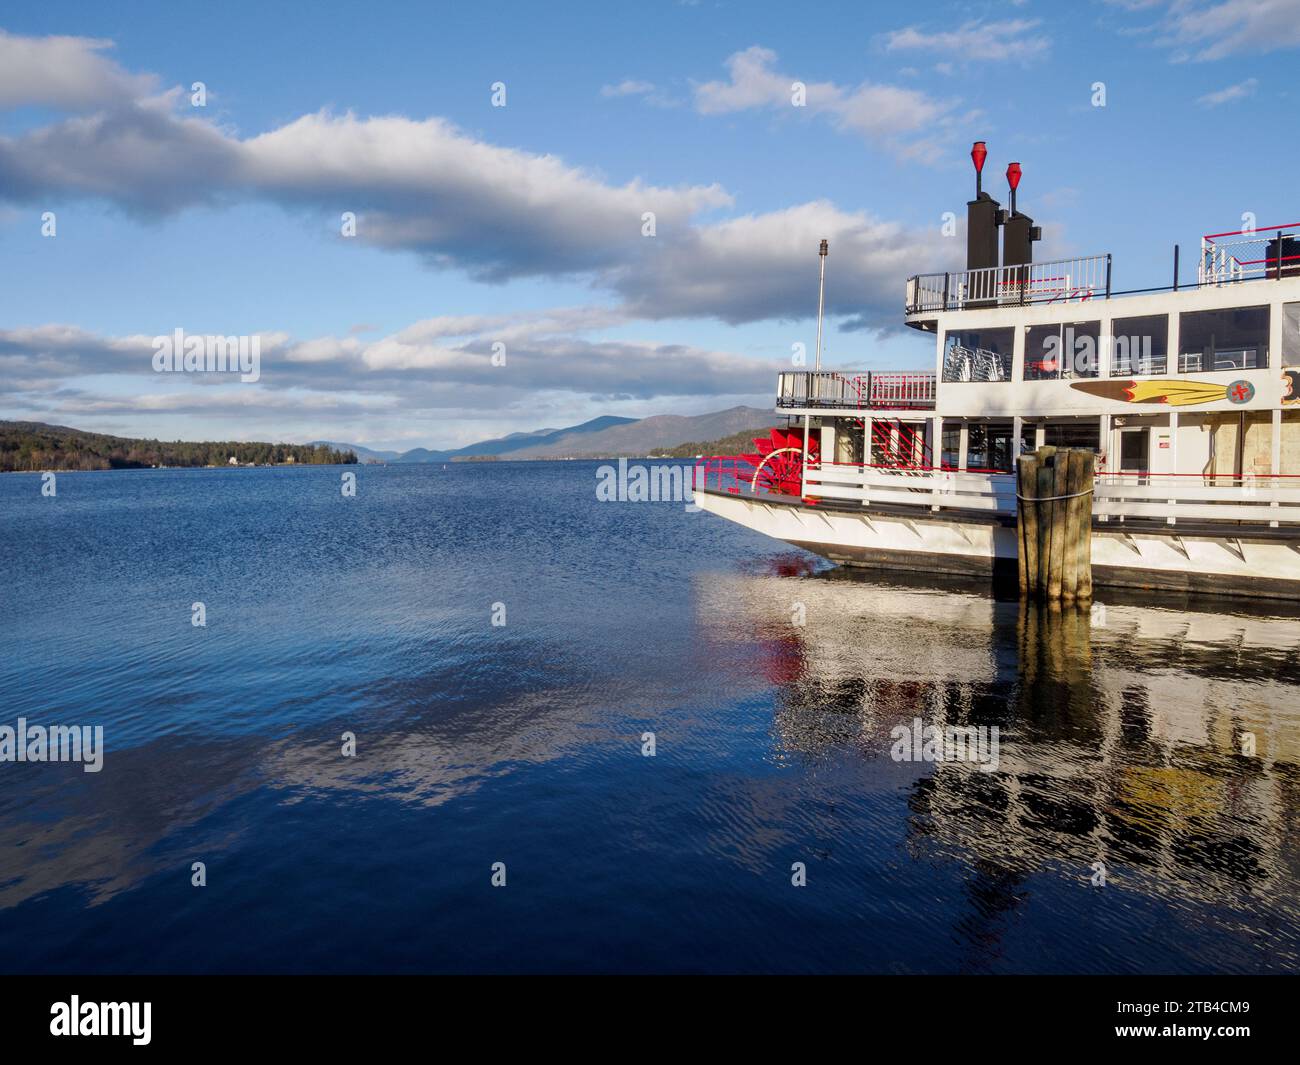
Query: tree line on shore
point(740, 443)
point(33, 446)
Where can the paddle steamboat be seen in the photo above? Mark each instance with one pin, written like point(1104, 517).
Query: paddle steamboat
point(1189, 396)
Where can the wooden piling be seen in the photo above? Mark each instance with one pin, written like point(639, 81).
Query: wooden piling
point(1054, 489)
point(1027, 525)
point(1073, 461)
point(1084, 524)
point(1058, 511)
point(1043, 490)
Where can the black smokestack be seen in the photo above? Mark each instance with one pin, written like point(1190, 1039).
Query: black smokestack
point(981, 218)
point(1018, 230)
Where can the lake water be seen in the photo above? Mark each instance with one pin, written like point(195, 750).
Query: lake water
point(771, 682)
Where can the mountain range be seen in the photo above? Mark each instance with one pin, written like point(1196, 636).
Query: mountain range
point(604, 437)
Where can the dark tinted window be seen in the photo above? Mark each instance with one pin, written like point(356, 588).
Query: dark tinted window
point(1074, 434)
point(1067, 349)
point(951, 447)
point(1232, 339)
point(1140, 345)
point(989, 447)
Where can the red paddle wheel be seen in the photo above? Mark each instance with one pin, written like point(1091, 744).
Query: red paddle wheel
point(778, 461)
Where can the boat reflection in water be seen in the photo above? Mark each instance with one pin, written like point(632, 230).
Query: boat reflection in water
point(1145, 747)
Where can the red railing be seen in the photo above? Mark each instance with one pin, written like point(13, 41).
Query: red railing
point(735, 474)
point(724, 473)
point(903, 389)
point(1240, 255)
point(899, 443)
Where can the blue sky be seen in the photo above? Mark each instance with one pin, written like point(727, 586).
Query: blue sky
point(521, 224)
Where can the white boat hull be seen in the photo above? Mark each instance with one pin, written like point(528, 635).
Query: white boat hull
point(1257, 563)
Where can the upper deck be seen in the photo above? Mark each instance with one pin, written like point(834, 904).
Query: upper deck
point(1267, 253)
point(1063, 281)
point(1054, 339)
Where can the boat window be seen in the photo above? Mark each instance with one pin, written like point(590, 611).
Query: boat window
point(1139, 345)
point(1062, 350)
point(849, 436)
point(988, 447)
point(1291, 336)
point(1235, 338)
point(1073, 434)
point(951, 457)
point(978, 354)
point(1135, 452)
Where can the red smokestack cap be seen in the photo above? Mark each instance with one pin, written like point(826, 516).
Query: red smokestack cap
point(1013, 176)
point(978, 154)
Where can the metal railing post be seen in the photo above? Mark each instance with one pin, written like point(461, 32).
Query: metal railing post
point(1108, 275)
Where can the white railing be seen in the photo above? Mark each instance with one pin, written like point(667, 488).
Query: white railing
point(1170, 498)
point(805, 388)
point(1175, 498)
point(1061, 281)
point(1272, 251)
point(931, 489)
point(829, 389)
point(927, 292)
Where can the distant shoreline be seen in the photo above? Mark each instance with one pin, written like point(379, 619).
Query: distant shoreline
point(362, 465)
point(156, 469)
point(39, 447)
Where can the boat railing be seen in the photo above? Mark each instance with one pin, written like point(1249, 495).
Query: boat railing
point(733, 474)
point(1196, 497)
point(919, 486)
point(1060, 281)
point(1243, 254)
point(1169, 498)
point(835, 390)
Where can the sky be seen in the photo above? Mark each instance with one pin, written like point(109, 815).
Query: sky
point(570, 210)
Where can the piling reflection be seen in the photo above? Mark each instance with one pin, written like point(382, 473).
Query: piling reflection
point(1151, 746)
point(1055, 661)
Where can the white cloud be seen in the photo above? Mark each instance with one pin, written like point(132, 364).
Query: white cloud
point(976, 41)
point(887, 114)
point(422, 186)
point(1203, 31)
point(437, 364)
point(65, 73)
point(647, 91)
point(497, 213)
point(1235, 27)
point(628, 87)
point(428, 187)
point(1232, 93)
point(763, 266)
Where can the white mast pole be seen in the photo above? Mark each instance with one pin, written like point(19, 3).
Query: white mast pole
point(817, 365)
point(821, 300)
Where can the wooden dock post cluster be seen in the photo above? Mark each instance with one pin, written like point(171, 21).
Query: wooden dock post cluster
point(1054, 520)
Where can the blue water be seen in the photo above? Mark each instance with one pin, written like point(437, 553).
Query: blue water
point(1121, 742)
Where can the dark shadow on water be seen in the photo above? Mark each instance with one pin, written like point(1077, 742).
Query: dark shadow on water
point(1006, 591)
